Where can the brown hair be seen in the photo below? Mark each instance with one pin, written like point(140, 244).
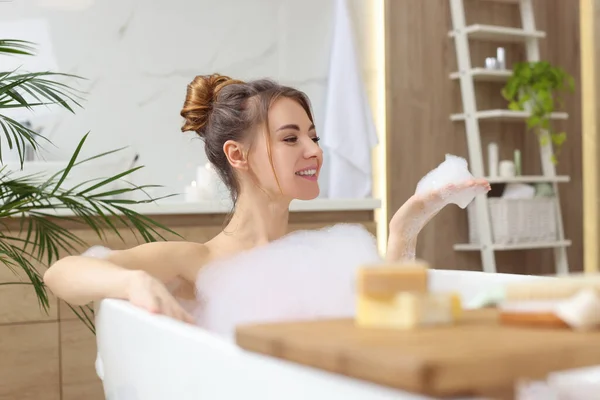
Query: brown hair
point(219, 109)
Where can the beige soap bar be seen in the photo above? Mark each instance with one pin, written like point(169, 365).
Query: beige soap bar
point(408, 310)
point(388, 280)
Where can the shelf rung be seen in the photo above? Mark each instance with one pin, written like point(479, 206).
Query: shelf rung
point(502, 1)
point(499, 33)
point(529, 179)
point(504, 115)
point(486, 75)
point(519, 246)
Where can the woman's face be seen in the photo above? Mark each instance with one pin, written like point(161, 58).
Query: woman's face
point(296, 155)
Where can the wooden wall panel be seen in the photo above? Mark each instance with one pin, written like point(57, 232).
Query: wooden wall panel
point(78, 356)
point(561, 47)
point(29, 361)
point(18, 303)
point(421, 97)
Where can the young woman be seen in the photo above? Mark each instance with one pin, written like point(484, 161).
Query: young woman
point(261, 138)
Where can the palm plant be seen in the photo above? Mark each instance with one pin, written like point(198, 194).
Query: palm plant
point(34, 199)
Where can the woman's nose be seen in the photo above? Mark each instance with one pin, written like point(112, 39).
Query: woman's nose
point(312, 149)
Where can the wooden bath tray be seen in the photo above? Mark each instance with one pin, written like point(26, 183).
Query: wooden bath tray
point(474, 357)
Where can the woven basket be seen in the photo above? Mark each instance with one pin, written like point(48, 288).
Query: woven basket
point(516, 221)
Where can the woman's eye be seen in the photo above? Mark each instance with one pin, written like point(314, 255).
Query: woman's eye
point(291, 139)
point(316, 139)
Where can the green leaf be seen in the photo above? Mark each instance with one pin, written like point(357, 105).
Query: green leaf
point(14, 46)
point(545, 123)
point(514, 106)
point(559, 138)
point(38, 86)
point(533, 121)
point(543, 83)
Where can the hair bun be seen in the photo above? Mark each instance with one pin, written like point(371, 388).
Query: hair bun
point(201, 94)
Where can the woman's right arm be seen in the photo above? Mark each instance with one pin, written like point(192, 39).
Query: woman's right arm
point(138, 275)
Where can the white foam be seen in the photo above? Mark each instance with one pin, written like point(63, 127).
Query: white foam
point(304, 275)
point(97, 252)
point(453, 170)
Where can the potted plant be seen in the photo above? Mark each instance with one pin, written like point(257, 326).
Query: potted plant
point(536, 87)
point(33, 199)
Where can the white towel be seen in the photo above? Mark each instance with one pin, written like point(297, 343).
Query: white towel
point(349, 131)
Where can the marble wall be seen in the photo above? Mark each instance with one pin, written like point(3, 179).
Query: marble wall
point(138, 57)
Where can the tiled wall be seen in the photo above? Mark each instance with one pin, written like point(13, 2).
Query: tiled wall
point(138, 56)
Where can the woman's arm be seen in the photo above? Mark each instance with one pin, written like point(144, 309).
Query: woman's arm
point(401, 248)
point(412, 217)
point(137, 275)
point(79, 280)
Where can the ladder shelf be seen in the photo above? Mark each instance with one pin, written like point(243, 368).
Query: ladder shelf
point(504, 115)
point(467, 75)
point(485, 74)
point(497, 33)
point(510, 247)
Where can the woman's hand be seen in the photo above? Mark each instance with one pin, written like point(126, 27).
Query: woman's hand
point(149, 293)
point(417, 211)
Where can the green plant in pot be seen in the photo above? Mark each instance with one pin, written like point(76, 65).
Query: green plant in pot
point(536, 87)
point(33, 201)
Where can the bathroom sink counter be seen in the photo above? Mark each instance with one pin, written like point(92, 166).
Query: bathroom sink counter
point(225, 207)
point(206, 219)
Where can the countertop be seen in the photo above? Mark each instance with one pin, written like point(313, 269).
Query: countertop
point(223, 207)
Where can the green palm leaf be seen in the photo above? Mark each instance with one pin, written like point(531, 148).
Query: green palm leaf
point(13, 92)
point(40, 232)
point(13, 46)
point(41, 204)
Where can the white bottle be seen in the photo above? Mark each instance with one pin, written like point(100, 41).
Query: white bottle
point(493, 159)
point(500, 58)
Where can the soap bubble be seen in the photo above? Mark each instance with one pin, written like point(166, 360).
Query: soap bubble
point(304, 275)
point(453, 170)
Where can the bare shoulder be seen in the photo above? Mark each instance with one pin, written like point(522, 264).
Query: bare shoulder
point(164, 260)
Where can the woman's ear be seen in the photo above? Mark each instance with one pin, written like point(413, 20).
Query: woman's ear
point(236, 154)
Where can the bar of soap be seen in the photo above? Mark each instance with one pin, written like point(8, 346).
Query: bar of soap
point(407, 310)
point(581, 312)
point(387, 280)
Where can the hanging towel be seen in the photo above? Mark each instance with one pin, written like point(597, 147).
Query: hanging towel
point(349, 131)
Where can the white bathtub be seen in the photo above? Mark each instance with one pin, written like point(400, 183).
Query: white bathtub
point(149, 357)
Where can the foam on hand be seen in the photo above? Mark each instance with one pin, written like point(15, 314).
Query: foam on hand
point(453, 170)
point(304, 275)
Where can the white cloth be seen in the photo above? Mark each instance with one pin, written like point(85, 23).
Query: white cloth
point(349, 132)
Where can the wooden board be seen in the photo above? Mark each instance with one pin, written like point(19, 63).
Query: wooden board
point(474, 357)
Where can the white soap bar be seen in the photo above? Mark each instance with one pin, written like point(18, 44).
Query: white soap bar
point(453, 170)
point(581, 311)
